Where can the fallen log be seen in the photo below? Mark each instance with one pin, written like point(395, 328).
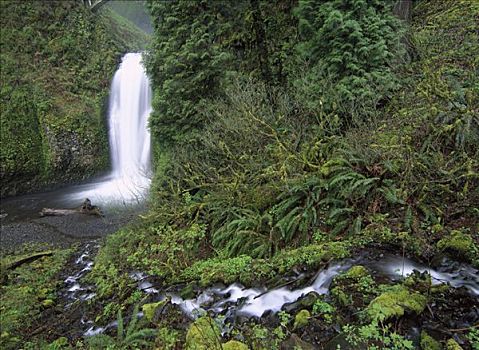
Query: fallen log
point(5, 267)
point(26, 259)
point(85, 208)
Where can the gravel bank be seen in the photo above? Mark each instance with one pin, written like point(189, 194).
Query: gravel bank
point(61, 231)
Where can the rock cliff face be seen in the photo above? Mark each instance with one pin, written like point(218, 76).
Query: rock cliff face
point(57, 61)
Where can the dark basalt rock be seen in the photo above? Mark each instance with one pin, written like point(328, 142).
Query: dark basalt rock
point(306, 301)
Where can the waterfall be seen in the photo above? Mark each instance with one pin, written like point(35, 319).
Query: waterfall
point(129, 109)
point(130, 106)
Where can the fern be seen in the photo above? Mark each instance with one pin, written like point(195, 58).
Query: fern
point(408, 218)
point(248, 234)
point(297, 212)
point(133, 337)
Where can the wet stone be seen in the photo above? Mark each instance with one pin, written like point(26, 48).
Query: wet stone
point(305, 302)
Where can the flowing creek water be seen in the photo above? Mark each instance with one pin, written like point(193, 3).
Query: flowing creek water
point(235, 302)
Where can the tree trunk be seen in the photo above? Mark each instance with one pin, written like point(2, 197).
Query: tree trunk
point(402, 9)
point(260, 36)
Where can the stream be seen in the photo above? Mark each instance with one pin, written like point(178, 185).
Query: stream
point(235, 302)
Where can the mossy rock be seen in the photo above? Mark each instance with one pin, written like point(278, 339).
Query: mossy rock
point(429, 343)
point(301, 319)
point(460, 243)
point(305, 302)
point(440, 288)
point(419, 281)
point(203, 334)
point(150, 310)
point(354, 287)
point(295, 342)
point(452, 345)
point(395, 302)
point(356, 272)
point(234, 345)
point(187, 292)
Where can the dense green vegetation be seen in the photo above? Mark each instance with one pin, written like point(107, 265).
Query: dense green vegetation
point(57, 60)
point(289, 134)
point(28, 291)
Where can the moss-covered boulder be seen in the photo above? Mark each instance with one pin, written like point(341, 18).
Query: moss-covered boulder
point(354, 287)
point(395, 303)
point(429, 343)
point(234, 345)
point(453, 345)
point(419, 281)
point(301, 319)
point(153, 309)
point(203, 334)
point(460, 243)
point(305, 302)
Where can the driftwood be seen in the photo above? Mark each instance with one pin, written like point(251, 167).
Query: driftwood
point(86, 208)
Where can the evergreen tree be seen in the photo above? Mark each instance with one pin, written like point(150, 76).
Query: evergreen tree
point(185, 64)
point(351, 44)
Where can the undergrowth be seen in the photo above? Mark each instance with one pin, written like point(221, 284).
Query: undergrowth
point(274, 181)
point(26, 292)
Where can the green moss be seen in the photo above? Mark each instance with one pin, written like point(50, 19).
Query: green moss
point(150, 309)
point(356, 272)
point(460, 243)
point(310, 256)
point(48, 303)
point(395, 302)
point(451, 344)
point(234, 345)
point(419, 281)
point(59, 343)
point(429, 343)
point(380, 232)
point(203, 334)
point(353, 287)
point(219, 270)
point(247, 270)
point(301, 319)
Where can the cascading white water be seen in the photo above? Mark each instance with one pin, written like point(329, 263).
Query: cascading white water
point(130, 106)
point(129, 109)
